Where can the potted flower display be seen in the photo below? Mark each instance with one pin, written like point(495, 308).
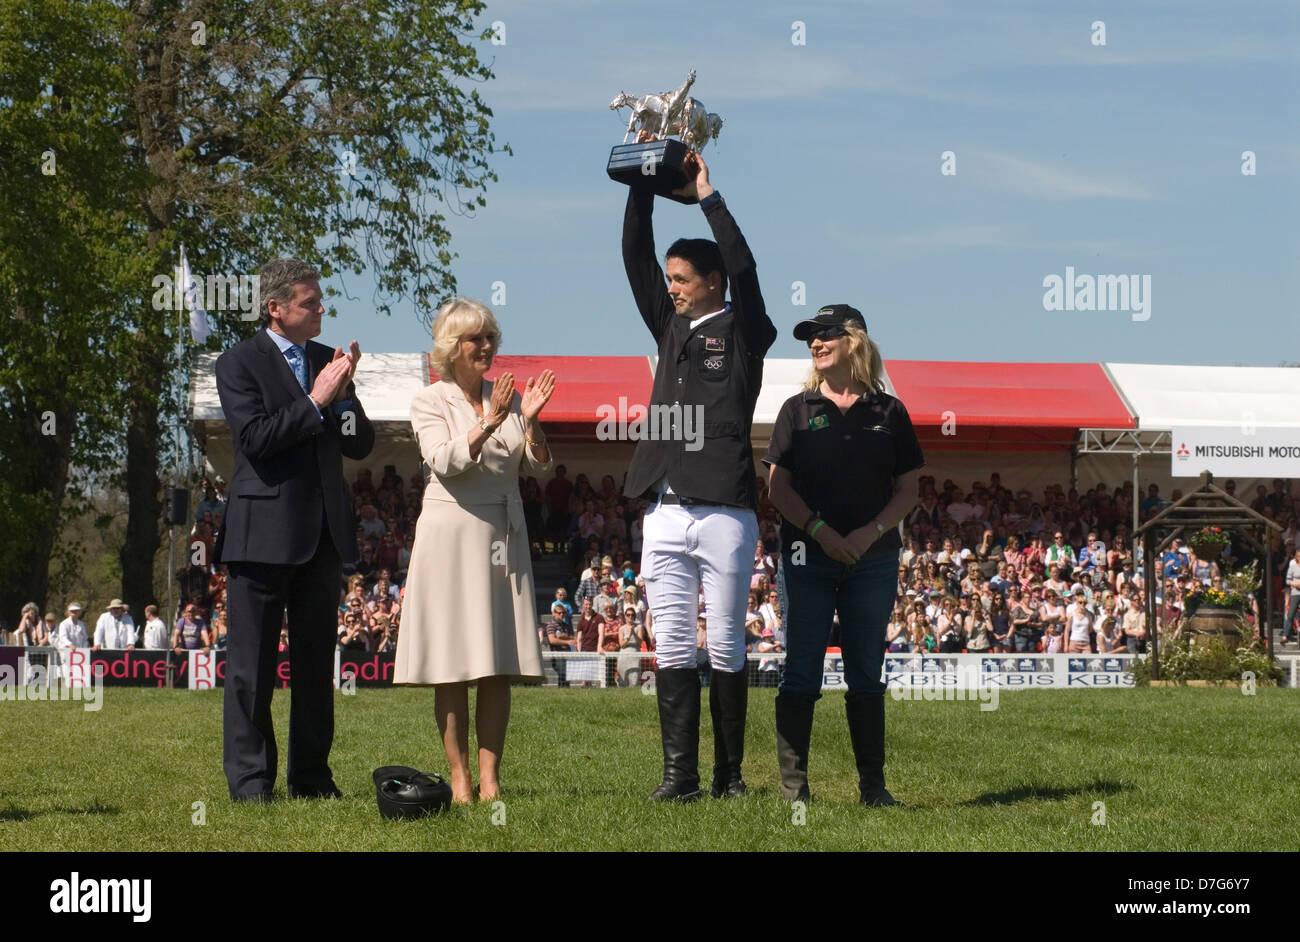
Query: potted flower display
point(1208, 543)
point(1221, 612)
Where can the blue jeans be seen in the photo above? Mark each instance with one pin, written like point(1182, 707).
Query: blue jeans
point(863, 594)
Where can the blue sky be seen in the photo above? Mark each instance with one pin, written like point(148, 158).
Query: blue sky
point(1120, 159)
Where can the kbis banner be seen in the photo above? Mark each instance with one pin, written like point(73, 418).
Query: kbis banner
point(1004, 671)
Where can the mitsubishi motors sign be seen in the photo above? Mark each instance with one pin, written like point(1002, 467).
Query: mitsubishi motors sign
point(1232, 451)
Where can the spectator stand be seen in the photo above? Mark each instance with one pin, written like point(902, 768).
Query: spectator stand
point(1166, 396)
point(1028, 419)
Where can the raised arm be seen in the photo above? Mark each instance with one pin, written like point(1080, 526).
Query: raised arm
point(643, 272)
point(755, 327)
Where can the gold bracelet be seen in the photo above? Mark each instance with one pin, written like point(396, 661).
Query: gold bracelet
point(533, 443)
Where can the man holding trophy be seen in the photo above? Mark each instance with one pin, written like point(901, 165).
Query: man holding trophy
point(701, 527)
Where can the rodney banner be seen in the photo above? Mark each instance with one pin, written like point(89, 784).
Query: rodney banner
point(139, 668)
point(207, 669)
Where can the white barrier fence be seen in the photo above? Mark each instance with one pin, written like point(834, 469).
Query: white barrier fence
point(1006, 671)
point(906, 671)
point(199, 670)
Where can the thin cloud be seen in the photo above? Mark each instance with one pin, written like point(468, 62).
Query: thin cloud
point(1043, 180)
point(958, 237)
point(1016, 238)
point(589, 83)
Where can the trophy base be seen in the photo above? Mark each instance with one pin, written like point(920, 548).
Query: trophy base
point(653, 165)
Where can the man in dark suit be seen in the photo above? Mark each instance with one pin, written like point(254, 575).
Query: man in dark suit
point(288, 530)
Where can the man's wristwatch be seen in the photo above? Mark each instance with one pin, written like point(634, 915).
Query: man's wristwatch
point(880, 528)
point(485, 425)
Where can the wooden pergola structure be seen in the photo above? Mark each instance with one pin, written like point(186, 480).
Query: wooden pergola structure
point(1207, 506)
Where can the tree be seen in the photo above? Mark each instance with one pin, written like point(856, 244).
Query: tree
point(68, 263)
point(334, 130)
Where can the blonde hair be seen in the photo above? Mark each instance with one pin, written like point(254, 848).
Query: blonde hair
point(865, 364)
point(456, 317)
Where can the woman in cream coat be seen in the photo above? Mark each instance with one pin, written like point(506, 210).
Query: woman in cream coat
point(469, 615)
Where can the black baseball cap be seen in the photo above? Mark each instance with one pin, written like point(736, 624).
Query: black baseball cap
point(832, 315)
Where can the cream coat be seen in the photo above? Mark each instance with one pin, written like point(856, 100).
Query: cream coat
point(469, 609)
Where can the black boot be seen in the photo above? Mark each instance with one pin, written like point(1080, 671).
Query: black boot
point(678, 693)
point(728, 703)
point(794, 719)
point(867, 732)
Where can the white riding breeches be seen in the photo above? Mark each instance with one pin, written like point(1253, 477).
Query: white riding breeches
point(686, 547)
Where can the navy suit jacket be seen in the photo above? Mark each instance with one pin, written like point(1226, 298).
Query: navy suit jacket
point(288, 478)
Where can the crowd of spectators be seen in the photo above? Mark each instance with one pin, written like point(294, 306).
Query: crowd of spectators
point(992, 570)
point(984, 569)
point(114, 630)
point(987, 568)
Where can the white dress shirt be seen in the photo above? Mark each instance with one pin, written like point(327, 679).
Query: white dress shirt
point(115, 634)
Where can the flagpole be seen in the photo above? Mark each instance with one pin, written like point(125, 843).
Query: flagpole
point(171, 526)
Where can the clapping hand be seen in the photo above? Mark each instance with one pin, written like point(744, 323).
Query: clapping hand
point(353, 356)
point(332, 382)
point(503, 391)
point(537, 395)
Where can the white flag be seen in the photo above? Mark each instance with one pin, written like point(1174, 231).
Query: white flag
point(193, 302)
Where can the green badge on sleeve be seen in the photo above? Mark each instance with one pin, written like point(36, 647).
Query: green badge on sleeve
point(818, 422)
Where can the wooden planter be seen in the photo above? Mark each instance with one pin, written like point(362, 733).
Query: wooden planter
point(1223, 622)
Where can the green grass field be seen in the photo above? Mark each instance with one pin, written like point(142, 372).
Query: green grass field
point(1178, 770)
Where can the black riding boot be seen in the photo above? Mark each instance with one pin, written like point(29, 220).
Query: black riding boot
point(728, 703)
point(867, 732)
point(794, 719)
point(678, 693)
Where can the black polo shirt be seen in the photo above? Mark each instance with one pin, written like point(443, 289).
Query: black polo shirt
point(844, 464)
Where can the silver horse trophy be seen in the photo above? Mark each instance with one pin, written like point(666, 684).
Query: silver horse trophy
point(659, 164)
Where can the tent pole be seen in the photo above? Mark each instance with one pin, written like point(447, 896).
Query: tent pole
point(1266, 617)
point(1153, 616)
point(1137, 494)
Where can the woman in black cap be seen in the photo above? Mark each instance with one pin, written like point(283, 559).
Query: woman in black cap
point(844, 463)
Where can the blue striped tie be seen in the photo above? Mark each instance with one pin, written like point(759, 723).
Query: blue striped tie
point(298, 363)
